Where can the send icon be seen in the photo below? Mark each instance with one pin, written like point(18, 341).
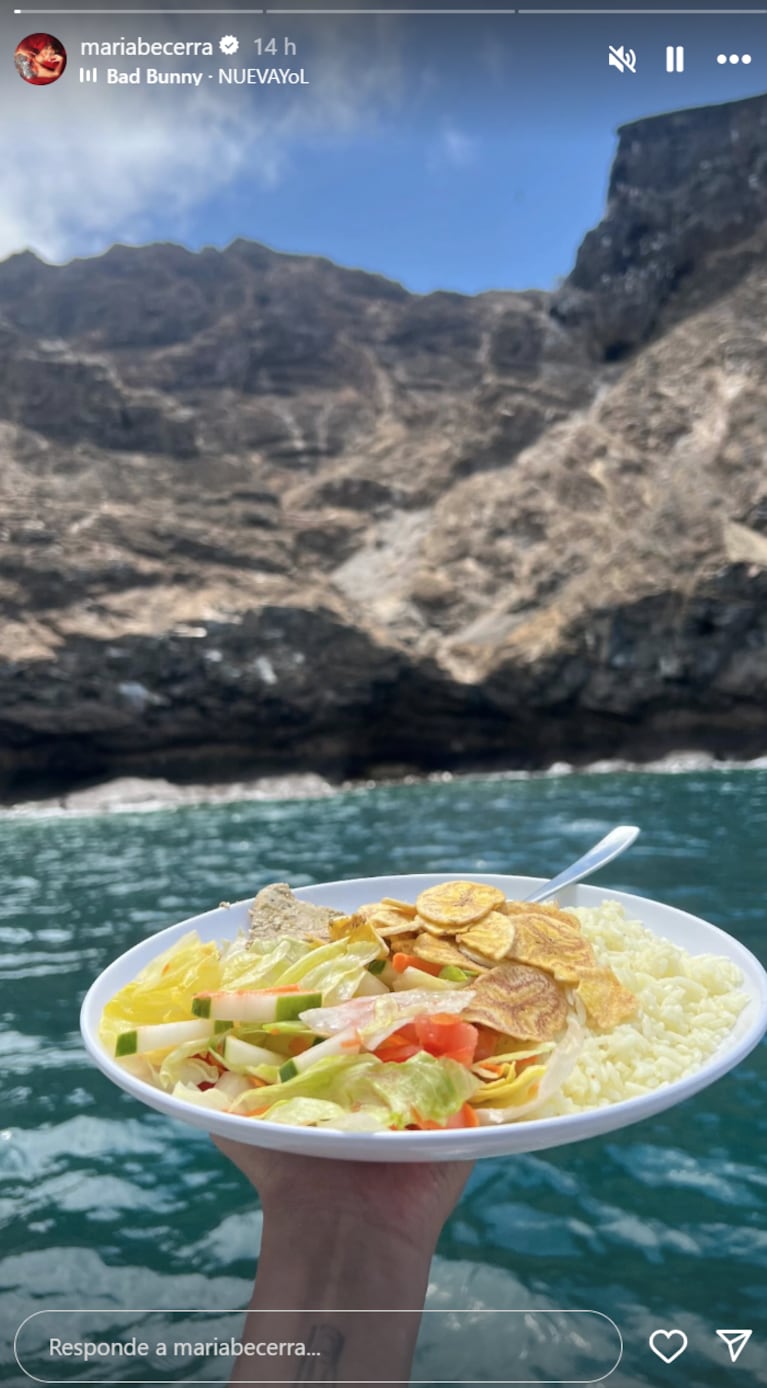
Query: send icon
point(736, 1341)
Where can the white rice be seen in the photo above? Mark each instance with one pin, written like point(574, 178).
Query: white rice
point(688, 1004)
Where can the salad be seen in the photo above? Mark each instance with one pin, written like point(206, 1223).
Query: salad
point(459, 1009)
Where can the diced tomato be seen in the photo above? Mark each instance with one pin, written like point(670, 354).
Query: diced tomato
point(444, 1034)
point(397, 1054)
point(400, 1045)
point(441, 1034)
point(400, 962)
point(206, 1084)
point(487, 1040)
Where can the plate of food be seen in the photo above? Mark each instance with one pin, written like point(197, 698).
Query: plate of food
point(425, 1017)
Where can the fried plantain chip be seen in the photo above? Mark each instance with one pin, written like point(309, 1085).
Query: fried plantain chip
point(520, 1001)
point(548, 943)
point(387, 921)
point(367, 910)
point(393, 932)
point(442, 952)
point(438, 931)
point(454, 905)
point(555, 913)
point(605, 998)
point(406, 907)
point(492, 937)
point(474, 960)
point(403, 944)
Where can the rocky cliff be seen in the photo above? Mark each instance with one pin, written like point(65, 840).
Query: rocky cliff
point(260, 512)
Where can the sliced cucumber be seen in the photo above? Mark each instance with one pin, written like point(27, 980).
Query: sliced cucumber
point(162, 1036)
point(291, 1004)
point(345, 1043)
point(244, 1053)
point(253, 1006)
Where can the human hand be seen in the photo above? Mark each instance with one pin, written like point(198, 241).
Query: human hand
point(415, 1197)
point(345, 1234)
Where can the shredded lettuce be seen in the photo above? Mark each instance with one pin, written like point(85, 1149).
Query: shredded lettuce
point(184, 1066)
point(204, 1098)
point(512, 1090)
point(425, 1087)
point(270, 1074)
point(232, 1086)
point(558, 1068)
point(325, 1080)
point(338, 979)
point(317, 954)
point(247, 968)
point(163, 990)
point(375, 1018)
point(323, 1113)
point(420, 1089)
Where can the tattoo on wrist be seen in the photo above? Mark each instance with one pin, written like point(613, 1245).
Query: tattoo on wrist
point(324, 1344)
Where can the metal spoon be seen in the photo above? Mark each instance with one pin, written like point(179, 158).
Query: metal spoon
point(617, 841)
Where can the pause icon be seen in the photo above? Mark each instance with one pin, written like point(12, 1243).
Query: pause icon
point(675, 58)
point(89, 74)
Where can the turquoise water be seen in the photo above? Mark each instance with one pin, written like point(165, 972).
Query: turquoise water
point(104, 1204)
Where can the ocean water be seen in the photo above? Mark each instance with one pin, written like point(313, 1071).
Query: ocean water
point(104, 1204)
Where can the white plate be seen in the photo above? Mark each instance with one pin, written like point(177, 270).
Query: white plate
point(694, 935)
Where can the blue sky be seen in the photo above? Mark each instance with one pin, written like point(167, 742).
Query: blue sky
point(445, 153)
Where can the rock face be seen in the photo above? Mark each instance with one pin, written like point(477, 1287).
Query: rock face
point(683, 187)
point(260, 512)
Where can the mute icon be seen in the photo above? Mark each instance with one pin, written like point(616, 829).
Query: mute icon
point(625, 59)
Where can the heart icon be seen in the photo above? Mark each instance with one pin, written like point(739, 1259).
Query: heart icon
point(661, 1342)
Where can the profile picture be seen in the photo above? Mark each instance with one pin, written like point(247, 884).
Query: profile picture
point(40, 59)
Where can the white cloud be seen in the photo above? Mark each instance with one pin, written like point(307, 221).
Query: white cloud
point(90, 166)
point(77, 189)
